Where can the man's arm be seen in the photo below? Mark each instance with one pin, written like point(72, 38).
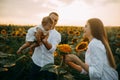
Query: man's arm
point(46, 43)
point(52, 45)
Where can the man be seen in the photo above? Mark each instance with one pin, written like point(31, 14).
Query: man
point(43, 54)
point(31, 40)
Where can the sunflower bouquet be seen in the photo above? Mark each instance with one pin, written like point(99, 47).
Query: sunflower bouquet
point(64, 49)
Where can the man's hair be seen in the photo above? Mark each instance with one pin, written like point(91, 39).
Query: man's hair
point(46, 20)
point(53, 13)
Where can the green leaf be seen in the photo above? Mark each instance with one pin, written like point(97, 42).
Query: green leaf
point(50, 67)
point(9, 65)
point(62, 70)
point(3, 69)
point(69, 77)
point(5, 55)
point(20, 58)
point(66, 76)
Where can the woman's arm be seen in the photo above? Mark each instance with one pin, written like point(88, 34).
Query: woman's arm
point(75, 66)
point(77, 61)
point(83, 65)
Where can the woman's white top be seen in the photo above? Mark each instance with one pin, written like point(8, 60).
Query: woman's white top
point(96, 58)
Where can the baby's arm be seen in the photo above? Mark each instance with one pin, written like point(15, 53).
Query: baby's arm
point(32, 47)
point(25, 45)
point(38, 36)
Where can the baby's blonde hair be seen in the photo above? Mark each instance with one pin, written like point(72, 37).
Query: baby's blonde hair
point(47, 20)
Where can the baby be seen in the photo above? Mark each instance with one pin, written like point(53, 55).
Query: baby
point(36, 34)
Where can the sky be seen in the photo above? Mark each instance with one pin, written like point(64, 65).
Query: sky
point(71, 12)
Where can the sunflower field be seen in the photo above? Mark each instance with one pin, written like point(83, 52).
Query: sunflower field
point(16, 67)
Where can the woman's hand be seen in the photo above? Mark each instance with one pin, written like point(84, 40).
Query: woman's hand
point(76, 62)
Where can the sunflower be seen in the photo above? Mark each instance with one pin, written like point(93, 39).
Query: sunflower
point(23, 33)
point(59, 29)
point(20, 29)
point(55, 54)
point(68, 29)
point(17, 33)
point(80, 28)
point(118, 36)
point(77, 33)
point(81, 46)
point(65, 48)
point(70, 32)
point(13, 29)
point(3, 32)
point(85, 39)
point(13, 33)
point(74, 40)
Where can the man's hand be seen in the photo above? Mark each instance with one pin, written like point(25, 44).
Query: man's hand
point(46, 43)
point(44, 38)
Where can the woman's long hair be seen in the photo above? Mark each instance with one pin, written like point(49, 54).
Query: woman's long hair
point(97, 31)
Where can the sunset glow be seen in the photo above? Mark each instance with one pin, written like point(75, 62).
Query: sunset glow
point(71, 12)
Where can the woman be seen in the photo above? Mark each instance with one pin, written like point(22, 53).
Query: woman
point(99, 61)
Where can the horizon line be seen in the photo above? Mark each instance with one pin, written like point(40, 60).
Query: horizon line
point(57, 25)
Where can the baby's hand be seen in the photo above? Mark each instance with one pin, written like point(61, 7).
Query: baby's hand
point(40, 43)
point(19, 51)
point(46, 34)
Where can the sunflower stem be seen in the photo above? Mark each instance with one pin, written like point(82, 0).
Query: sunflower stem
point(61, 63)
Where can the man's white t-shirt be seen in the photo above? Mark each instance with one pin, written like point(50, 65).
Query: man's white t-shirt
point(42, 55)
